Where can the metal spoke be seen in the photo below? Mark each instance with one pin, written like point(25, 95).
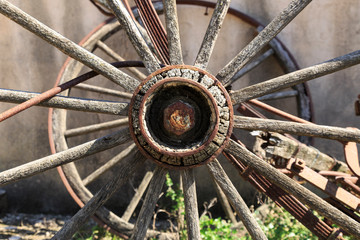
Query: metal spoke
point(117, 57)
point(112, 162)
point(263, 38)
point(251, 66)
point(70, 103)
point(70, 155)
point(296, 77)
point(290, 186)
point(103, 90)
point(148, 206)
point(71, 226)
point(68, 47)
point(134, 35)
point(236, 200)
point(172, 29)
point(137, 197)
point(279, 95)
point(212, 33)
point(191, 207)
point(95, 127)
point(302, 129)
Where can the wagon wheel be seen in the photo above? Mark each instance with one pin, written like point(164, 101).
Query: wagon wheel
point(159, 141)
point(77, 185)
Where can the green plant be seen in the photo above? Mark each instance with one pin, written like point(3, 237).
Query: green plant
point(216, 228)
point(96, 232)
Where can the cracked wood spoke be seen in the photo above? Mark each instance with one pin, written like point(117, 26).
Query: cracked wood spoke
point(96, 127)
point(302, 129)
point(251, 66)
point(290, 186)
point(263, 38)
point(106, 49)
point(212, 33)
point(147, 209)
point(191, 207)
point(134, 35)
point(236, 200)
point(111, 92)
point(112, 162)
point(70, 103)
point(137, 197)
point(172, 29)
point(279, 95)
point(71, 226)
point(70, 155)
point(296, 77)
point(67, 46)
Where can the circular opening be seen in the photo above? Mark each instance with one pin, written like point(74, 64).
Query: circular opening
point(186, 103)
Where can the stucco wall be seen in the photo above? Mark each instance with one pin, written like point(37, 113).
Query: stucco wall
point(324, 30)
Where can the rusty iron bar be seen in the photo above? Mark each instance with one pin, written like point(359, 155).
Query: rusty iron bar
point(283, 199)
point(351, 156)
point(56, 90)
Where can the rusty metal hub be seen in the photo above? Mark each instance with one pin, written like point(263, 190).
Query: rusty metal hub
point(180, 116)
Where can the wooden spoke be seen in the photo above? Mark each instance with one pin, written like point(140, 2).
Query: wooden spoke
point(112, 162)
point(236, 200)
point(279, 95)
point(263, 38)
point(70, 155)
point(172, 29)
point(92, 88)
point(212, 33)
point(134, 35)
point(302, 129)
point(251, 66)
point(68, 47)
point(70, 103)
point(96, 127)
point(137, 197)
point(296, 77)
point(191, 207)
point(117, 57)
point(148, 206)
point(71, 226)
point(290, 186)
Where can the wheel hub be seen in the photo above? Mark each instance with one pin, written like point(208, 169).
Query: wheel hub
point(180, 116)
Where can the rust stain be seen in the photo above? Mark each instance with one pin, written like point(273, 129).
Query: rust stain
point(179, 118)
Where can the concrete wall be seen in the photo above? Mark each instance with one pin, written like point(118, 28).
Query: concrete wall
point(324, 30)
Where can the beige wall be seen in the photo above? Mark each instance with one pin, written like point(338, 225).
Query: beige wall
point(324, 30)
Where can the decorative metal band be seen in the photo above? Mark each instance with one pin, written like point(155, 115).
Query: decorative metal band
point(193, 91)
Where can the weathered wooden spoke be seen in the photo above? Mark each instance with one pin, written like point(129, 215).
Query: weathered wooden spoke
point(296, 77)
point(138, 195)
point(191, 207)
point(71, 226)
point(134, 35)
point(70, 155)
point(172, 29)
point(107, 91)
point(147, 209)
point(263, 38)
point(66, 46)
point(101, 45)
point(70, 103)
point(95, 127)
point(111, 163)
point(279, 95)
point(302, 129)
point(290, 186)
point(236, 200)
point(212, 33)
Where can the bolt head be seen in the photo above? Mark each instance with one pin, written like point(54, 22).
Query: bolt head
point(179, 117)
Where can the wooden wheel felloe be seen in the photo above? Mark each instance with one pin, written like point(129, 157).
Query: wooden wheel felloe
point(196, 120)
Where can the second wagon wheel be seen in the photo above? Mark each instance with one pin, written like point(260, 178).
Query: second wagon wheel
point(77, 183)
point(196, 118)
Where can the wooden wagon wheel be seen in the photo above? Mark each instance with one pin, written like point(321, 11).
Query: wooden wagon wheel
point(207, 108)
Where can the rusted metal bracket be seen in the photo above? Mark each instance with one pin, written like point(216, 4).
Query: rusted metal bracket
point(351, 157)
point(298, 167)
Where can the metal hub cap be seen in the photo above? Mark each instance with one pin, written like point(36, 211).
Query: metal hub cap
point(180, 116)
